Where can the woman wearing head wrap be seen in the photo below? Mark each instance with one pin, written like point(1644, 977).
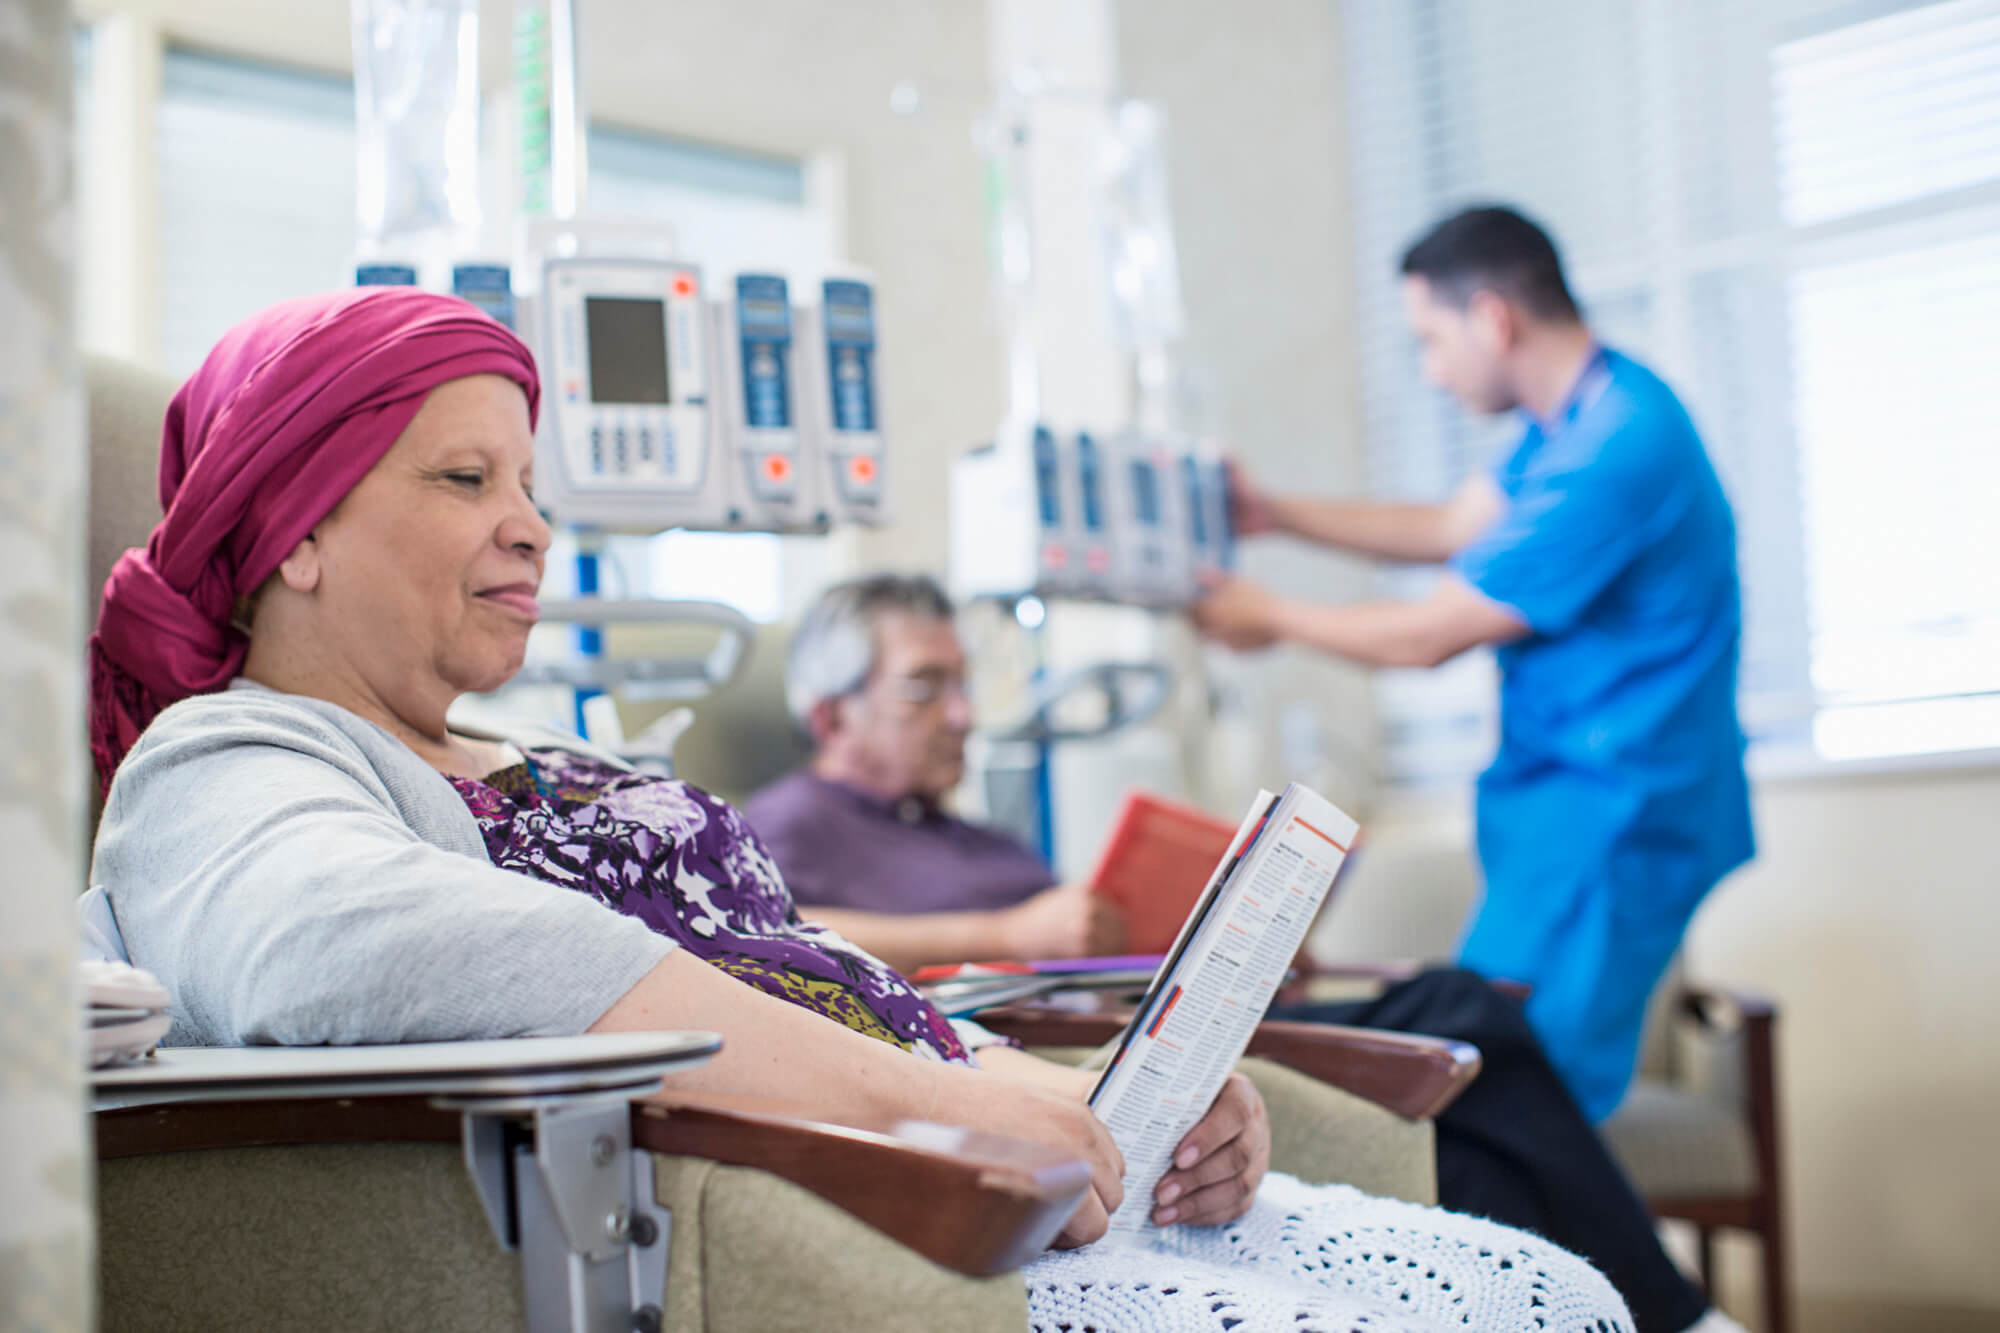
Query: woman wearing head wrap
point(304, 850)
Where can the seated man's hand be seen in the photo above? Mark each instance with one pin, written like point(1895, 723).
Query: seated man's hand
point(1068, 921)
point(1220, 1163)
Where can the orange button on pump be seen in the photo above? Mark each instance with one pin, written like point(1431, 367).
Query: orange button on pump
point(777, 467)
point(683, 286)
point(861, 469)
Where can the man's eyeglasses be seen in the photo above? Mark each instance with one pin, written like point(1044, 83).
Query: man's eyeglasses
point(924, 691)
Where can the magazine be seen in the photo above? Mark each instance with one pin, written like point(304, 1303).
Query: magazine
point(1215, 984)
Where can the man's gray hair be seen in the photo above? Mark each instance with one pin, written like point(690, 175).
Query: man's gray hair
point(833, 649)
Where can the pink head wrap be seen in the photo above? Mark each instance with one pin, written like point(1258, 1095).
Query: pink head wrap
point(290, 410)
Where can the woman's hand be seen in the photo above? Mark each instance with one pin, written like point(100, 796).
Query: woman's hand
point(1220, 1163)
point(1048, 1110)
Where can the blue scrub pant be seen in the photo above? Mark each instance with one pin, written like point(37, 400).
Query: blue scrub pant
point(1591, 951)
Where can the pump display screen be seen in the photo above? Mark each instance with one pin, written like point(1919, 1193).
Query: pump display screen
point(628, 349)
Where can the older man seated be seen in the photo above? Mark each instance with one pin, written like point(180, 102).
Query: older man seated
point(876, 676)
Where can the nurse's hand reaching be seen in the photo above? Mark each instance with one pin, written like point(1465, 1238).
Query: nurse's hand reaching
point(1251, 511)
point(1238, 613)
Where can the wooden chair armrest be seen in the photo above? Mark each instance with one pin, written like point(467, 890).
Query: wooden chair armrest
point(974, 1203)
point(1416, 1077)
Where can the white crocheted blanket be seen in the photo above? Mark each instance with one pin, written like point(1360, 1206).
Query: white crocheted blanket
point(1325, 1259)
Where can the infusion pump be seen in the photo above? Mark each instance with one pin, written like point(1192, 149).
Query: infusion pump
point(625, 433)
point(667, 404)
point(1130, 518)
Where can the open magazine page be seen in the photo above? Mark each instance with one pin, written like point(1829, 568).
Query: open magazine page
point(1214, 988)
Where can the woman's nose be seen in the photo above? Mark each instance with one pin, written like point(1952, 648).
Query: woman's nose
point(524, 527)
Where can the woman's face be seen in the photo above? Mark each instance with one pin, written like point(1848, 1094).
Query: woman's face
point(428, 568)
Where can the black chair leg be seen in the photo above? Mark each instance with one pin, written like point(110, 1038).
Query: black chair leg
point(1705, 1252)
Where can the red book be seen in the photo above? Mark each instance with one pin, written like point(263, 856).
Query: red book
point(1155, 864)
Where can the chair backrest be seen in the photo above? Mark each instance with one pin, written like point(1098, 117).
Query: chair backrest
point(742, 737)
point(125, 405)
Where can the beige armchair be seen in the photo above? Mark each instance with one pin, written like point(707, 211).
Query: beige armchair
point(356, 1209)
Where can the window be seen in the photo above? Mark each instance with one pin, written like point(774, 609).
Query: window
point(1888, 139)
point(1785, 208)
point(256, 178)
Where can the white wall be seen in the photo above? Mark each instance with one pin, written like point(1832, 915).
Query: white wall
point(1872, 914)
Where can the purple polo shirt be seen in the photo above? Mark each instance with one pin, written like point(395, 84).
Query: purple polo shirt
point(839, 847)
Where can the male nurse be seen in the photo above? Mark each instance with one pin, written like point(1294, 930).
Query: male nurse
point(1598, 556)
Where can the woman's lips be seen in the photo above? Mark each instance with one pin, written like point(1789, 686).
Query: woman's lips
point(520, 599)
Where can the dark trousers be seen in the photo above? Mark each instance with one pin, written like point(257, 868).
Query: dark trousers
point(1516, 1148)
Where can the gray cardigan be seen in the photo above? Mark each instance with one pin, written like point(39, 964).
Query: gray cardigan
point(293, 873)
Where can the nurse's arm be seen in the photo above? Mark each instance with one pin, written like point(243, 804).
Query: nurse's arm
point(1416, 533)
point(1455, 617)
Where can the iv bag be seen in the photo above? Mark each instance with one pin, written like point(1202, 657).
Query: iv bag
point(1140, 266)
point(416, 120)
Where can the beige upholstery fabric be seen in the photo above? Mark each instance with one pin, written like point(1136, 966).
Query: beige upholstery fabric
point(741, 738)
point(390, 1236)
point(1325, 1136)
point(1680, 1145)
point(364, 1236)
point(768, 1255)
point(127, 405)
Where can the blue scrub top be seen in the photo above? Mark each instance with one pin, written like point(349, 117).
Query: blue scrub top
point(1617, 798)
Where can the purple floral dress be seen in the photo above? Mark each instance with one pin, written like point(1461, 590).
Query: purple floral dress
point(688, 866)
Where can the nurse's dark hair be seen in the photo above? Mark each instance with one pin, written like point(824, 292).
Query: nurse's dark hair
point(1493, 249)
point(832, 653)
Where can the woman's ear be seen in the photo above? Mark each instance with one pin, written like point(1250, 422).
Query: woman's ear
point(300, 569)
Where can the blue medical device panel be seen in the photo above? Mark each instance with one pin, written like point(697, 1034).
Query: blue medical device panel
point(1089, 486)
point(849, 316)
point(385, 275)
point(488, 286)
point(1145, 493)
point(1048, 477)
point(764, 326)
point(1197, 501)
point(1225, 518)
